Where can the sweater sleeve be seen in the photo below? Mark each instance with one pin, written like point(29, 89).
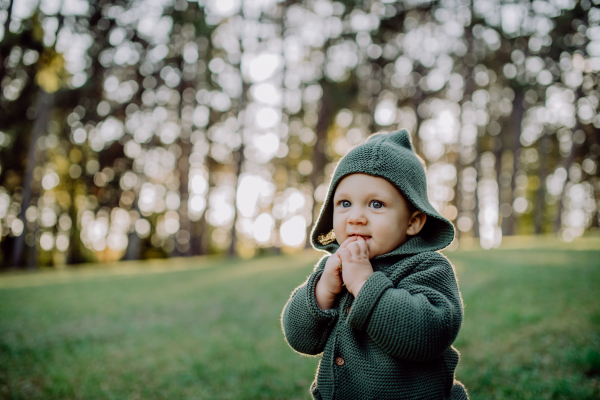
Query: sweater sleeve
point(306, 327)
point(419, 318)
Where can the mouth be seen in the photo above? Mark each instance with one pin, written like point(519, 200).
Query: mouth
point(365, 237)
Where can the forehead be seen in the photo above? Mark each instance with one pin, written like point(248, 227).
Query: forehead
point(363, 184)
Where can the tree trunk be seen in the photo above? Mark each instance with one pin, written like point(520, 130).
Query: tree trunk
point(45, 105)
point(184, 220)
point(134, 241)
point(567, 165)
point(516, 119)
point(540, 209)
point(6, 52)
point(460, 167)
point(319, 156)
point(8, 18)
point(239, 164)
point(74, 255)
point(184, 249)
point(199, 236)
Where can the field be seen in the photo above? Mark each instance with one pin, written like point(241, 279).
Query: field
point(209, 328)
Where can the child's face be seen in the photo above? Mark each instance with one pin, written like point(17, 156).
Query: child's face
point(373, 208)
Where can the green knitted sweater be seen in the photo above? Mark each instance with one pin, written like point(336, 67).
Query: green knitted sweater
point(393, 341)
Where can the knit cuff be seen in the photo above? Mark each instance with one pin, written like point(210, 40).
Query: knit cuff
point(367, 298)
point(325, 316)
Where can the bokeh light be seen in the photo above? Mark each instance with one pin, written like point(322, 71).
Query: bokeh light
point(173, 138)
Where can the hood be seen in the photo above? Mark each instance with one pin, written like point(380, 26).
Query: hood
point(389, 156)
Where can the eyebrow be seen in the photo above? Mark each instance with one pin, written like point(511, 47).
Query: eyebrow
point(368, 194)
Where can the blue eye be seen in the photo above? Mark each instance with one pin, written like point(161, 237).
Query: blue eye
point(376, 204)
point(345, 203)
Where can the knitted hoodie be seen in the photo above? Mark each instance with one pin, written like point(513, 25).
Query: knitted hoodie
point(393, 341)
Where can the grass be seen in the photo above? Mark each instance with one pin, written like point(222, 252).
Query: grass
point(209, 328)
point(532, 324)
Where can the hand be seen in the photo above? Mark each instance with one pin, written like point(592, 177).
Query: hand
point(330, 283)
point(356, 265)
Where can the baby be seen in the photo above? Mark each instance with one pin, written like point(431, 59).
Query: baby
point(384, 307)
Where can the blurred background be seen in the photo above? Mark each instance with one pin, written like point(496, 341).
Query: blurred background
point(205, 133)
point(152, 129)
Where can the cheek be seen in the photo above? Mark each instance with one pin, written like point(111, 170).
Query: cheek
point(389, 231)
point(390, 226)
point(338, 223)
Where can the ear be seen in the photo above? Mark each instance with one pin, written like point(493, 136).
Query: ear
point(417, 221)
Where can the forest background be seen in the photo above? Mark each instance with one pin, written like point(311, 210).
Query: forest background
point(151, 129)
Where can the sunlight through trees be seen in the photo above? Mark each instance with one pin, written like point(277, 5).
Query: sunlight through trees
point(149, 129)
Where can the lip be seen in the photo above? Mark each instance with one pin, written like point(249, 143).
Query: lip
point(366, 237)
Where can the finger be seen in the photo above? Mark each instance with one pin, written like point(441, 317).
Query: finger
point(344, 255)
point(367, 248)
point(348, 240)
point(353, 248)
point(363, 247)
point(332, 261)
point(339, 263)
point(333, 271)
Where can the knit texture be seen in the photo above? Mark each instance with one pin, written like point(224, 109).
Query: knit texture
point(393, 341)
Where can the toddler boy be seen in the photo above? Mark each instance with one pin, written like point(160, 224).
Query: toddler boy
point(384, 307)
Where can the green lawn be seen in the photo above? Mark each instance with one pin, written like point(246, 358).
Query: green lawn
point(209, 328)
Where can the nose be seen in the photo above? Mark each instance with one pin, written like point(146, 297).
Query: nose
point(357, 216)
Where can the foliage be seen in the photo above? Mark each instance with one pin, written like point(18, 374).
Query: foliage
point(181, 128)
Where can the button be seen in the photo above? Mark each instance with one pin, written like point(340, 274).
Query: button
point(348, 310)
point(339, 361)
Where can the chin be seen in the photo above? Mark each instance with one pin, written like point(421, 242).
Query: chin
point(375, 253)
point(379, 252)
